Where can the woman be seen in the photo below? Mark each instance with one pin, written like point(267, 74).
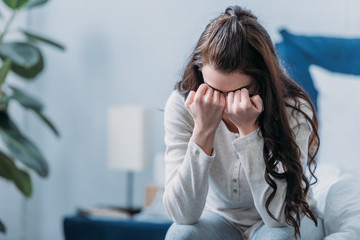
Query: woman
point(239, 134)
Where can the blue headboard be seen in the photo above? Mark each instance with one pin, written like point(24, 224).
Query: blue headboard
point(298, 52)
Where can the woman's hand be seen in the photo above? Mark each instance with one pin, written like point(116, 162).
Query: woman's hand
point(206, 106)
point(243, 111)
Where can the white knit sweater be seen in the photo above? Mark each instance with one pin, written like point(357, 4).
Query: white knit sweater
point(230, 182)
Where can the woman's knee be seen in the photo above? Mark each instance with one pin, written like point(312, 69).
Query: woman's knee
point(210, 226)
point(183, 232)
point(282, 233)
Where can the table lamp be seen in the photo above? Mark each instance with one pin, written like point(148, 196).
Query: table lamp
point(129, 142)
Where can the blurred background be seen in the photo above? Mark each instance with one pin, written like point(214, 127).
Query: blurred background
point(127, 52)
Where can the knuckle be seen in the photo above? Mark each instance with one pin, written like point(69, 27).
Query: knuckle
point(197, 100)
point(219, 104)
point(247, 107)
point(206, 101)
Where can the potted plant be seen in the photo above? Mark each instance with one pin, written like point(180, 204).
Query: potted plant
point(25, 59)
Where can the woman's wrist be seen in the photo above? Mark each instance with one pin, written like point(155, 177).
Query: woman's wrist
point(245, 131)
point(204, 138)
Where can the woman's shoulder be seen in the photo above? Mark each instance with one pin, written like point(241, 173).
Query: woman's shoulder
point(294, 115)
point(175, 108)
point(299, 103)
point(175, 102)
point(175, 98)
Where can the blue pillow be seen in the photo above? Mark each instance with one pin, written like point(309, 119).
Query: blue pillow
point(297, 53)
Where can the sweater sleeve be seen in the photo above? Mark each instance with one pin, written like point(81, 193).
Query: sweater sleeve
point(187, 166)
point(250, 152)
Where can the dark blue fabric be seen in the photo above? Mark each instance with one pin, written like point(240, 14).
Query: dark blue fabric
point(78, 228)
point(336, 54)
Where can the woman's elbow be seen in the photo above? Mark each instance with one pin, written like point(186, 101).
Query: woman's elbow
point(275, 224)
point(180, 215)
point(182, 218)
point(185, 221)
point(278, 222)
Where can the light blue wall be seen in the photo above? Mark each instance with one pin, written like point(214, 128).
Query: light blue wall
point(117, 53)
point(121, 52)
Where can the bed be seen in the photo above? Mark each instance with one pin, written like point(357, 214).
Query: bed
point(328, 68)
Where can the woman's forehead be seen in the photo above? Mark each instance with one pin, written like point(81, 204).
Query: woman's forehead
point(225, 81)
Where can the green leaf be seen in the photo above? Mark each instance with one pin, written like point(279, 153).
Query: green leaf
point(22, 148)
point(9, 171)
point(27, 60)
point(33, 36)
point(4, 70)
point(25, 99)
point(48, 122)
point(32, 103)
point(35, 3)
point(4, 100)
point(2, 227)
point(15, 4)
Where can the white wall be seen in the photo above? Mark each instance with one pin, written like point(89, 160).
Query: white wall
point(123, 52)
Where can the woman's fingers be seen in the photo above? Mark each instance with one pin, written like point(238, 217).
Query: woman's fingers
point(245, 99)
point(222, 99)
point(189, 99)
point(205, 96)
point(237, 96)
point(209, 95)
point(243, 110)
point(201, 91)
point(258, 103)
point(216, 97)
point(204, 107)
point(229, 100)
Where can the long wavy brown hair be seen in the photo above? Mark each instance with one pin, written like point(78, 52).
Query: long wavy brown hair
point(236, 41)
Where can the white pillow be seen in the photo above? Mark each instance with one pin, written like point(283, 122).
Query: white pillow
point(337, 193)
point(327, 174)
point(339, 118)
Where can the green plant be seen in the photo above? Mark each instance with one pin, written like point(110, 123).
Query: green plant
point(25, 59)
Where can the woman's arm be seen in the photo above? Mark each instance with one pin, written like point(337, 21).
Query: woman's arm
point(187, 166)
point(250, 151)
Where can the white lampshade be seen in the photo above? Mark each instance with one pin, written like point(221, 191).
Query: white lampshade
point(129, 137)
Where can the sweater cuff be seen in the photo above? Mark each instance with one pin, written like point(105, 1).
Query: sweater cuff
point(197, 151)
point(252, 138)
